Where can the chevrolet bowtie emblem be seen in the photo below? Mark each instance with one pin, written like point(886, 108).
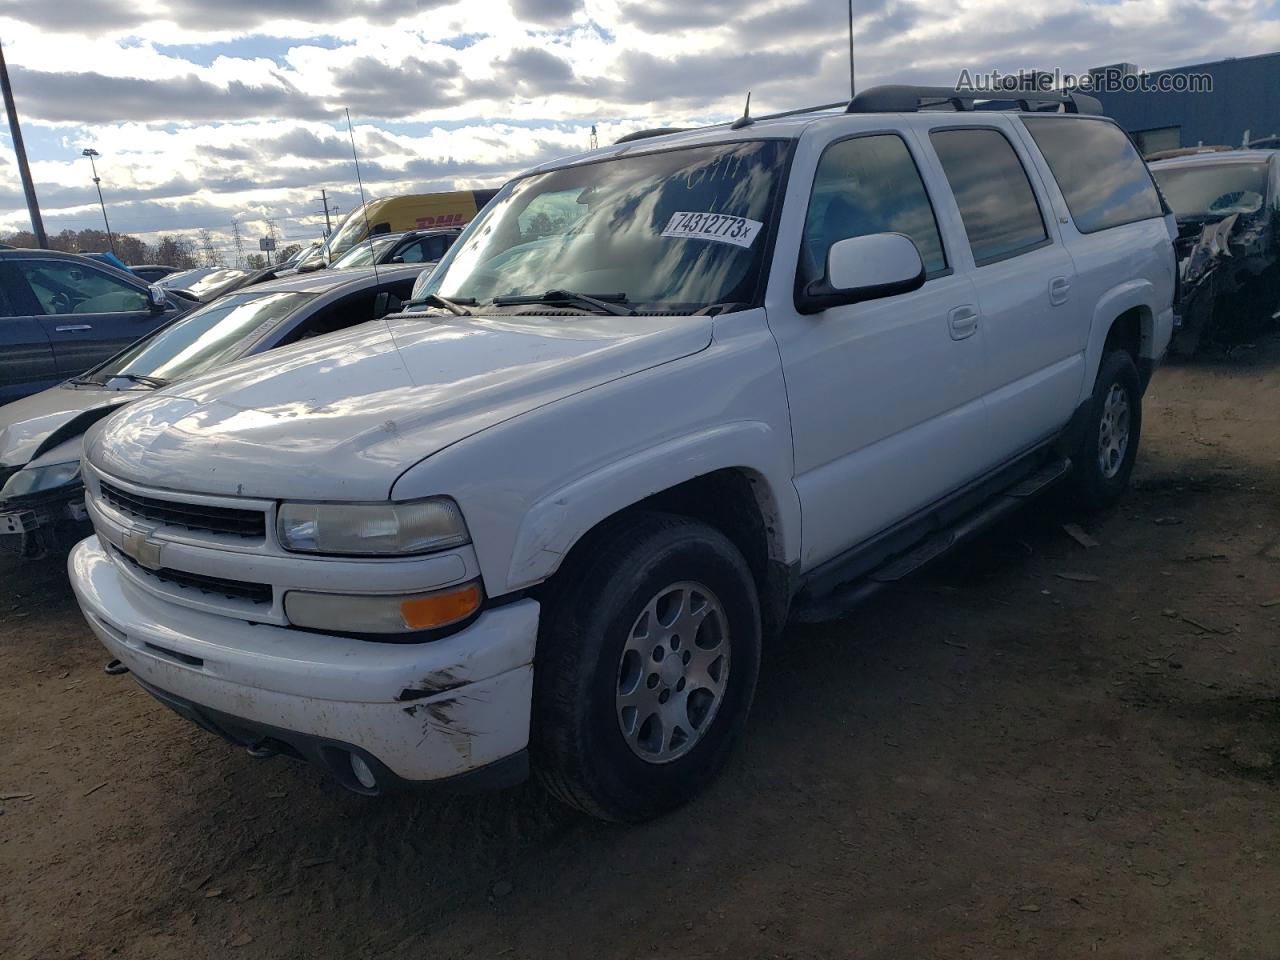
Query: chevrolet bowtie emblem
point(141, 548)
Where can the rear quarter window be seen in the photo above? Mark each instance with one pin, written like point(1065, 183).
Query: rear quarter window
point(1102, 178)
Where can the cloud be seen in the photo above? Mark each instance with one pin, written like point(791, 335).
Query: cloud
point(661, 16)
point(372, 88)
point(209, 110)
point(304, 143)
point(644, 77)
point(550, 12)
point(94, 98)
point(238, 15)
point(90, 16)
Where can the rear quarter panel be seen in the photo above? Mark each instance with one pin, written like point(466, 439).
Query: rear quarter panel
point(1118, 269)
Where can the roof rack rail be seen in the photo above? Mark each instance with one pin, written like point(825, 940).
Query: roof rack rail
point(646, 134)
point(903, 98)
point(663, 131)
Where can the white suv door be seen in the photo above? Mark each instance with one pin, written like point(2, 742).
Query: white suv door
point(887, 413)
point(1036, 317)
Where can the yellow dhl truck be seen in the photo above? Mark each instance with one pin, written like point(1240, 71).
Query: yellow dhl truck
point(415, 211)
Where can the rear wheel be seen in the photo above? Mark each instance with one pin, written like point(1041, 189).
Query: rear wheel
point(646, 666)
point(1104, 461)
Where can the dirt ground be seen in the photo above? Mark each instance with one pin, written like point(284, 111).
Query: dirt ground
point(1034, 750)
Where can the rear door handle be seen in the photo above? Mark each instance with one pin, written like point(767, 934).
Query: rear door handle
point(963, 321)
point(1059, 289)
point(73, 328)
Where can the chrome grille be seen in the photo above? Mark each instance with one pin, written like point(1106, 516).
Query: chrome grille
point(191, 516)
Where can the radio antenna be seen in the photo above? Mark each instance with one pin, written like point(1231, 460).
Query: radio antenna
point(852, 88)
point(364, 209)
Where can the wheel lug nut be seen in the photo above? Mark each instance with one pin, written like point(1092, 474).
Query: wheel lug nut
point(680, 685)
point(687, 656)
point(652, 681)
point(664, 696)
point(658, 654)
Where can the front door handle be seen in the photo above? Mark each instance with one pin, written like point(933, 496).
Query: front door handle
point(963, 321)
point(73, 328)
point(1059, 289)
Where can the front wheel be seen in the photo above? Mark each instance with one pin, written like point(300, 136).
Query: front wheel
point(647, 662)
point(1104, 460)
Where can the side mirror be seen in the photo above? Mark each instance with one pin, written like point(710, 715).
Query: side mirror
point(864, 268)
point(397, 259)
point(386, 303)
point(157, 302)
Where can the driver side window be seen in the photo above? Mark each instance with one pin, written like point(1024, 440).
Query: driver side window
point(66, 287)
point(869, 185)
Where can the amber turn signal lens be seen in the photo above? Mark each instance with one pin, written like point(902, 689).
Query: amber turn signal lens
point(440, 609)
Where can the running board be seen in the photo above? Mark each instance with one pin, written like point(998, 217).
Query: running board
point(831, 605)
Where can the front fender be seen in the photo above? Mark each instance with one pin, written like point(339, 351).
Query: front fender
point(558, 520)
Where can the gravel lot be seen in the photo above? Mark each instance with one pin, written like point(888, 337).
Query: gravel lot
point(1036, 749)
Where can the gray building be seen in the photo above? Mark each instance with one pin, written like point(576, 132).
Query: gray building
point(1244, 103)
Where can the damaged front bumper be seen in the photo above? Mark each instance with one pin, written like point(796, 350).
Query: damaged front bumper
point(415, 713)
point(33, 525)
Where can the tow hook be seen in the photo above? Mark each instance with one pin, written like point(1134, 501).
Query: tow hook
point(115, 668)
point(264, 749)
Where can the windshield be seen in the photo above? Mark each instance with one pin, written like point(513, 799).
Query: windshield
point(1217, 190)
point(350, 232)
point(364, 253)
point(681, 229)
point(202, 339)
point(315, 257)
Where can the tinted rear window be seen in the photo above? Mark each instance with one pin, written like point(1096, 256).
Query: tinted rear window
point(1103, 180)
point(999, 210)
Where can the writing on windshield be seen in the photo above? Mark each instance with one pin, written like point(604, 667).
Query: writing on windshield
point(619, 227)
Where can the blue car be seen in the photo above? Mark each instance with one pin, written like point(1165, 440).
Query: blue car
point(62, 313)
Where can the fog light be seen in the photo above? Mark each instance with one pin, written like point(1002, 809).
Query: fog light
point(363, 773)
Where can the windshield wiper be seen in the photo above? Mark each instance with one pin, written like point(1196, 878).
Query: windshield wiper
point(456, 307)
point(611, 303)
point(143, 379)
point(86, 382)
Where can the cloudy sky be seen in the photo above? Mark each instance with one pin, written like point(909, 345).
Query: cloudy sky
point(211, 111)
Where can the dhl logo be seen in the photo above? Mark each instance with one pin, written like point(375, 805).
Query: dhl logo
point(443, 220)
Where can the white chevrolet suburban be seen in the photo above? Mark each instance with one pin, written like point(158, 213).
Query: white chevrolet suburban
point(657, 400)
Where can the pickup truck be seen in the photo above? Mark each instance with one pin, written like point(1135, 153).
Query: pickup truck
point(656, 401)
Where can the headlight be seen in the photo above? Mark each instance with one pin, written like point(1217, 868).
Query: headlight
point(399, 613)
point(372, 529)
point(40, 479)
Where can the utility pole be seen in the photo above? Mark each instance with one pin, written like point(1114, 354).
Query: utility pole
point(28, 186)
point(239, 243)
point(273, 233)
point(328, 224)
point(97, 182)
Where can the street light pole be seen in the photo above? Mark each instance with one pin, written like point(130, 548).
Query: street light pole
point(97, 182)
point(20, 151)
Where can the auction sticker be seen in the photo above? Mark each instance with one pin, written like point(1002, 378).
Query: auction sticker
point(713, 226)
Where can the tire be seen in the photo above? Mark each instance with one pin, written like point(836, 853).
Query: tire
point(595, 662)
point(1095, 486)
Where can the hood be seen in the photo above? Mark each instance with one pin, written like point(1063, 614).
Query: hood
point(341, 417)
point(34, 424)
